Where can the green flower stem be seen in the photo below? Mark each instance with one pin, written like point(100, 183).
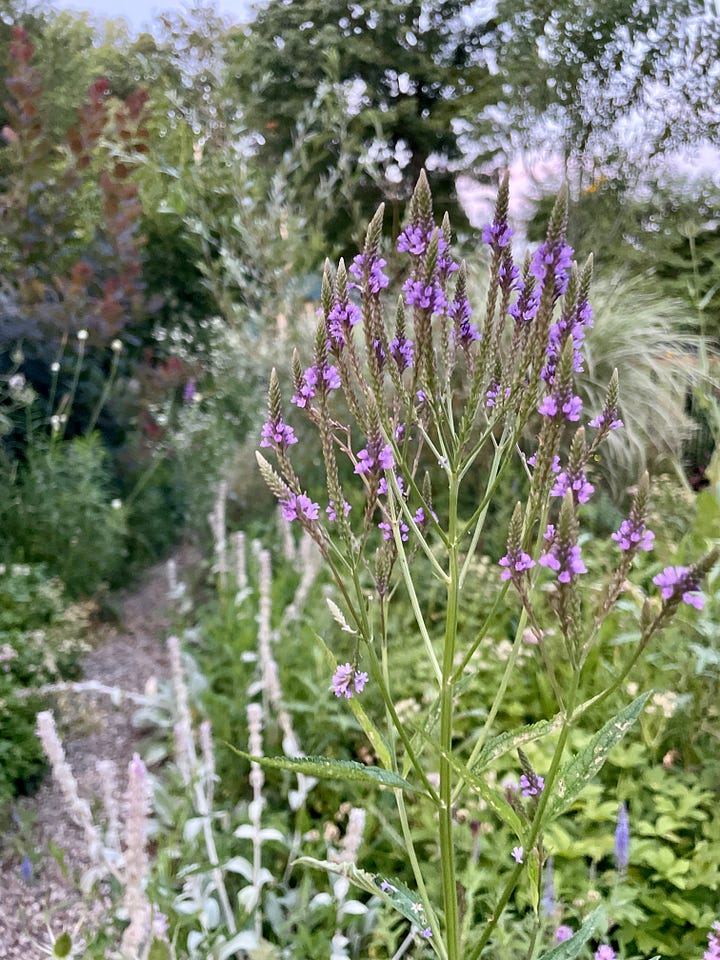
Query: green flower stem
point(499, 597)
point(408, 515)
point(481, 513)
point(498, 699)
point(107, 388)
point(447, 851)
point(437, 941)
point(536, 825)
point(414, 602)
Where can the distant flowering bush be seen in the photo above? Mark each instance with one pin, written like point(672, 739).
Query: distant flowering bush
point(408, 396)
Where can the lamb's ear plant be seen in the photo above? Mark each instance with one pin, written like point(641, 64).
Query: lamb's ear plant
point(409, 396)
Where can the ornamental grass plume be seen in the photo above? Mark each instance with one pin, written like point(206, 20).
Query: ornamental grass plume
point(411, 397)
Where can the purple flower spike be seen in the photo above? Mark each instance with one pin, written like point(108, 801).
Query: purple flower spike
point(605, 422)
point(622, 840)
point(347, 681)
point(526, 306)
point(498, 234)
point(553, 260)
point(581, 488)
point(278, 435)
point(388, 534)
point(680, 582)
point(460, 312)
point(634, 535)
point(402, 352)
point(425, 296)
point(515, 564)
point(563, 933)
point(331, 512)
point(313, 380)
point(531, 786)
point(414, 240)
point(299, 507)
point(565, 404)
point(564, 559)
point(377, 280)
point(341, 319)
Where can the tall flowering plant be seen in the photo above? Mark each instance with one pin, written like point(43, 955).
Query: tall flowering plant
point(407, 399)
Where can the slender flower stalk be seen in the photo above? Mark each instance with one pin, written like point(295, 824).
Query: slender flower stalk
point(136, 860)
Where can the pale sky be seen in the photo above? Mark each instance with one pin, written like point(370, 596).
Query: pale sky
point(140, 13)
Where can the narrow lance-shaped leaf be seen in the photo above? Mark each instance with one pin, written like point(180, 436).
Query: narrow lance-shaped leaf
point(393, 892)
point(325, 768)
point(512, 739)
point(576, 774)
point(573, 947)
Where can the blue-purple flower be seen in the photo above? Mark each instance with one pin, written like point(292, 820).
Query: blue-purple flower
point(564, 558)
point(424, 295)
point(277, 434)
point(313, 380)
point(518, 853)
point(331, 511)
point(299, 507)
point(403, 352)
point(622, 840)
point(341, 319)
point(561, 403)
point(498, 234)
point(370, 459)
point(532, 785)
point(680, 582)
point(634, 535)
point(515, 563)
point(348, 680)
point(377, 280)
point(563, 933)
point(553, 260)
point(577, 482)
point(526, 306)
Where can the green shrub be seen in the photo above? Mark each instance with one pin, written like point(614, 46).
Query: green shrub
point(40, 642)
point(61, 512)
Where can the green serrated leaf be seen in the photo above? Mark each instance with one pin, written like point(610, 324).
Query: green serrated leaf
point(512, 739)
point(325, 768)
point(368, 727)
point(574, 946)
point(62, 946)
point(393, 892)
point(579, 771)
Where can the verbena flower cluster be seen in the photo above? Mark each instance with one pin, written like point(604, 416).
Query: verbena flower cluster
point(404, 396)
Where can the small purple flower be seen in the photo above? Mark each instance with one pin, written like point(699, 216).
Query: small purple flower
point(605, 952)
point(278, 435)
point(341, 319)
point(526, 306)
point(622, 840)
point(427, 933)
point(682, 582)
point(387, 887)
point(403, 352)
point(414, 240)
point(566, 404)
point(313, 380)
point(373, 460)
point(531, 786)
point(460, 312)
point(377, 280)
point(518, 853)
point(299, 507)
point(634, 535)
point(420, 518)
point(515, 564)
point(607, 420)
point(492, 394)
point(576, 481)
point(555, 260)
point(383, 486)
point(564, 559)
point(330, 509)
point(388, 534)
point(498, 234)
point(189, 391)
point(347, 681)
point(508, 274)
point(563, 933)
point(424, 295)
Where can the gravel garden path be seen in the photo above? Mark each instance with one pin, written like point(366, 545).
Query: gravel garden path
point(129, 655)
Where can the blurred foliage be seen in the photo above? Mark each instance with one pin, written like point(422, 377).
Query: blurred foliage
point(42, 639)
